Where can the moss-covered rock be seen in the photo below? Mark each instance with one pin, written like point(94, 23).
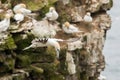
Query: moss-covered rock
point(35, 4)
point(107, 6)
point(21, 42)
point(22, 61)
point(37, 70)
point(9, 44)
point(19, 76)
point(7, 65)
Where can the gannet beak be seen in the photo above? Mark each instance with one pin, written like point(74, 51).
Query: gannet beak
point(67, 24)
point(52, 8)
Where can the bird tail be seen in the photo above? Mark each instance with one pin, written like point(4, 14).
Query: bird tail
point(60, 40)
point(73, 40)
point(80, 31)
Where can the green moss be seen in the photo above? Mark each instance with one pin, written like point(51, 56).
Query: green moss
point(37, 70)
point(110, 4)
point(84, 76)
point(19, 77)
point(63, 66)
point(56, 77)
point(3, 68)
point(10, 44)
point(22, 43)
point(64, 12)
point(107, 6)
point(7, 65)
point(22, 61)
point(34, 5)
point(10, 62)
point(40, 54)
point(50, 71)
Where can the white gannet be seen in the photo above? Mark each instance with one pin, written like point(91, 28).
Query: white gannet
point(25, 11)
point(22, 8)
point(19, 6)
point(69, 28)
point(4, 24)
point(43, 42)
point(87, 17)
point(52, 15)
point(18, 17)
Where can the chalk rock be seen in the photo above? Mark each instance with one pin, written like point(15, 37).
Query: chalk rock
point(74, 45)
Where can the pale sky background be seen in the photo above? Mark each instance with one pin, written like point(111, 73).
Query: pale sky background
point(112, 45)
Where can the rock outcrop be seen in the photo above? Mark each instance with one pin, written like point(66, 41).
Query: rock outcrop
point(81, 56)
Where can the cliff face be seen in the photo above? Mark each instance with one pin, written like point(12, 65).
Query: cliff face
point(81, 59)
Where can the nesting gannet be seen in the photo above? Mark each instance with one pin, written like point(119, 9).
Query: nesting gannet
point(19, 6)
point(69, 28)
point(43, 42)
point(87, 17)
point(4, 24)
point(22, 8)
point(52, 15)
point(19, 17)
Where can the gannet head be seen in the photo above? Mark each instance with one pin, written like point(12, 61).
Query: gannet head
point(7, 16)
point(67, 24)
point(22, 5)
point(88, 13)
point(51, 9)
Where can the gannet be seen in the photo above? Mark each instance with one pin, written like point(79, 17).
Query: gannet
point(18, 17)
point(43, 42)
point(52, 15)
point(4, 24)
point(22, 8)
point(69, 28)
point(18, 6)
point(25, 11)
point(87, 17)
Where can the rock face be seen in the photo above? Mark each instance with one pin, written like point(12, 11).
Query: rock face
point(81, 56)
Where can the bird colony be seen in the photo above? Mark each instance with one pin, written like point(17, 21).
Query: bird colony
point(80, 37)
point(43, 30)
